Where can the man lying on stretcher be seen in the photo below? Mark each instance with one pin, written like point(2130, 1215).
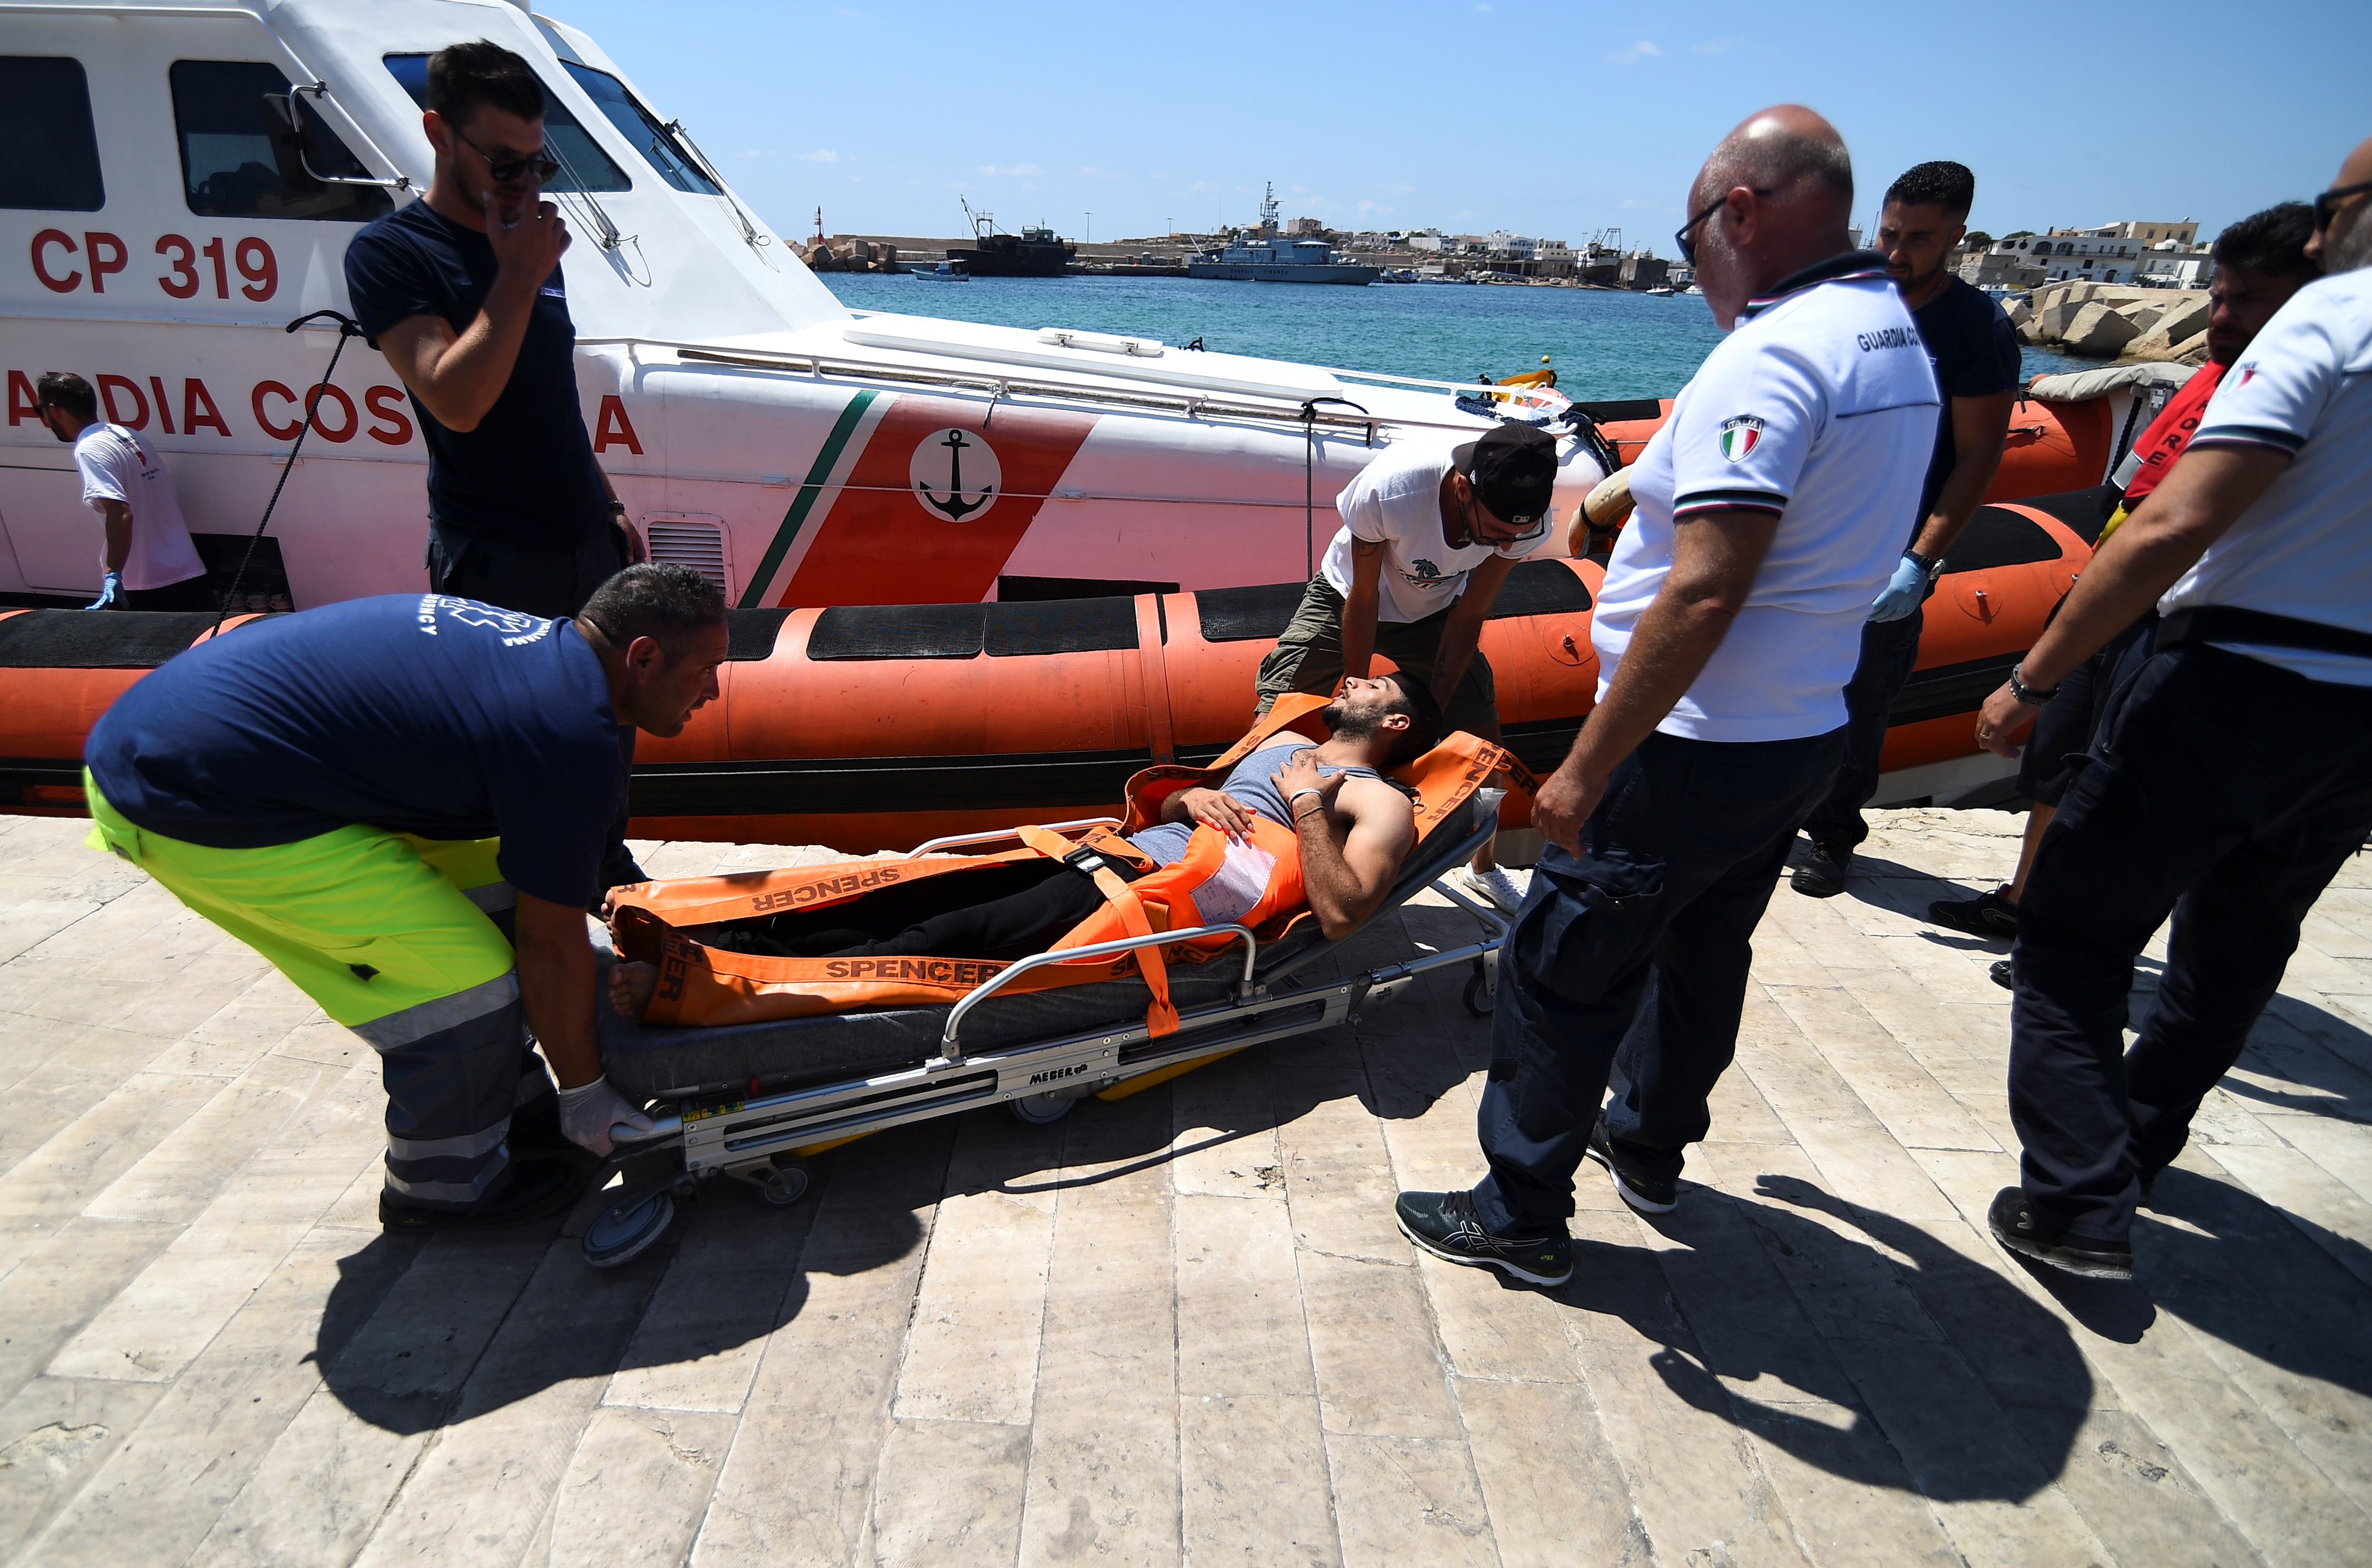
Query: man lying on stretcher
point(1353, 828)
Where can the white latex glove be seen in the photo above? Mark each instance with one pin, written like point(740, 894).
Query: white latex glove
point(111, 593)
point(1905, 592)
point(588, 1112)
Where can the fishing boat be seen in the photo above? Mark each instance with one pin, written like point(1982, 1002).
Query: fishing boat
point(1033, 253)
point(946, 272)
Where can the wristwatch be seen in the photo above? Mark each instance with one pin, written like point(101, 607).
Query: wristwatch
point(2024, 693)
point(619, 507)
point(1934, 569)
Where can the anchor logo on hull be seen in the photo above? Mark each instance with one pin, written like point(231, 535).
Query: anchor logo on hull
point(937, 473)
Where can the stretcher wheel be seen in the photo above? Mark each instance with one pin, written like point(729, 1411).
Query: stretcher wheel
point(627, 1226)
point(1038, 1109)
point(1481, 994)
point(789, 1185)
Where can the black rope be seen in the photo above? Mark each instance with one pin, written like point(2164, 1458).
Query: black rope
point(347, 328)
point(1309, 477)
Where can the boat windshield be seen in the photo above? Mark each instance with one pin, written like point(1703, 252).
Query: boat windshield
point(653, 140)
point(584, 165)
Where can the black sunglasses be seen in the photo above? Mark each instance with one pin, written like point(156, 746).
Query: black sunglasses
point(1474, 534)
point(2327, 203)
point(506, 170)
point(1685, 237)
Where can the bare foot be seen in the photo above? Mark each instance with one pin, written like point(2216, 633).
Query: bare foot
point(631, 985)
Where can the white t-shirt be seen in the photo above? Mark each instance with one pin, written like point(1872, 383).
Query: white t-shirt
point(2305, 549)
point(1820, 408)
point(117, 465)
point(1396, 502)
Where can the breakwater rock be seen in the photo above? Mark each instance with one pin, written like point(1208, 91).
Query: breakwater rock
point(2105, 321)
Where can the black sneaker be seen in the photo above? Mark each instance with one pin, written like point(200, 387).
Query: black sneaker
point(537, 1190)
point(1987, 914)
point(2001, 975)
point(1648, 1194)
point(1822, 875)
point(1445, 1225)
point(2015, 1225)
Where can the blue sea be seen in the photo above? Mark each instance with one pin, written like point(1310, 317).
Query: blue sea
point(1603, 344)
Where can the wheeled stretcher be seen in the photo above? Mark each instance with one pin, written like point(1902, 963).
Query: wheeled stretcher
point(753, 1100)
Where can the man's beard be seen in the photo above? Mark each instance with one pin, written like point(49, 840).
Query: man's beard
point(1912, 282)
point(2353, 251)
point(1345, 723)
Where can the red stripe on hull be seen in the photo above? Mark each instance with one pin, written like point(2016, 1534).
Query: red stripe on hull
point(879, 544)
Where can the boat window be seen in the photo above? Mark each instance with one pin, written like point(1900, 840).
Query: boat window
point(584, 165)
point(49, 153)
point(248, 151)
point(642, 128)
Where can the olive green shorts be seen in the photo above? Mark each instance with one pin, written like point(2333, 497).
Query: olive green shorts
point(1308, 657)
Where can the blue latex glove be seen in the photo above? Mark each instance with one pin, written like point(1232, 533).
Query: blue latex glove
point(110, 593)
point(1904, 593)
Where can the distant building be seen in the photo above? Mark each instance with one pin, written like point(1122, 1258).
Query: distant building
point(2080, 254)
point(2006, 264)
point(2151, 234)
point(1852, 235)
point(1428, 239)
point(2171, 265)
point(1304, 228)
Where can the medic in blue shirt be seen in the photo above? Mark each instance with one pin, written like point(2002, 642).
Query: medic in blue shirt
point(402, 804)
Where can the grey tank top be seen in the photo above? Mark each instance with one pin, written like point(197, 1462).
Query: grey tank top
point(1249, 782)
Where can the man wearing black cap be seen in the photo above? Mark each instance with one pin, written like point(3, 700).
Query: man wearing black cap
point(1429, 533)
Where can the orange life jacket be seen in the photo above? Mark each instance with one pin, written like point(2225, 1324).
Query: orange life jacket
point(1218, 881)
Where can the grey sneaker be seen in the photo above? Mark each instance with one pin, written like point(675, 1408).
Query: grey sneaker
point(1822, 875)
point(1445, 1225)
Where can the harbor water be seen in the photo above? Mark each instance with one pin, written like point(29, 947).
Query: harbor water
point(1603, 344)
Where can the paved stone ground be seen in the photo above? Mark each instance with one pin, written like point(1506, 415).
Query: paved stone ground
point(1181, 1326)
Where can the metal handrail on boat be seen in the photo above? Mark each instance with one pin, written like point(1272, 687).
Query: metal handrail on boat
point(1190, 405)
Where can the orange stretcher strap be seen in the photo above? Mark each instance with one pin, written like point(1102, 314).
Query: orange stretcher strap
point(1161, 1017)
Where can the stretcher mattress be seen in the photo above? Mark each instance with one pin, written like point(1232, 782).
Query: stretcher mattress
point(650, 1062)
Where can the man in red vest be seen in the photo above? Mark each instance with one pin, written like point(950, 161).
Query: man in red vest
point(2261, 261)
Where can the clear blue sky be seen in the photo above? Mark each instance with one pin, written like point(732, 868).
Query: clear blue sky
point(1555, 119)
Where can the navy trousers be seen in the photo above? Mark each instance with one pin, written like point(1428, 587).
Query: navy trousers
point(1889, 649)
point(1652, 925)
point(2226, 791)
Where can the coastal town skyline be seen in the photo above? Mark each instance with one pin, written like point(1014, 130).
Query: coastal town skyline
point(1471, 116)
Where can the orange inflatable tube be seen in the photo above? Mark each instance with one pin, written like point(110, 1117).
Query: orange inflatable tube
point(878, 727)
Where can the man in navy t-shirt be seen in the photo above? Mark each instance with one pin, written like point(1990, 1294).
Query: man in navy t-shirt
point(1975, 355)
point(462, 291)
point(402, 803)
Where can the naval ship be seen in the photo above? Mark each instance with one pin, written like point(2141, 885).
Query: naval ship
point(1263, 255)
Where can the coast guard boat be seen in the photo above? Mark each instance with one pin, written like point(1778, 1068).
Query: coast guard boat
point(187, 175)
point(191, 173)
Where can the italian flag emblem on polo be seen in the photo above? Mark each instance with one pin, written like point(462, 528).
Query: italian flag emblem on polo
point(1740, 436)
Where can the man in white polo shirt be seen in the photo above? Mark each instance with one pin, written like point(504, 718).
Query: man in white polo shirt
point(2237, 780)
point(1770, 514)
